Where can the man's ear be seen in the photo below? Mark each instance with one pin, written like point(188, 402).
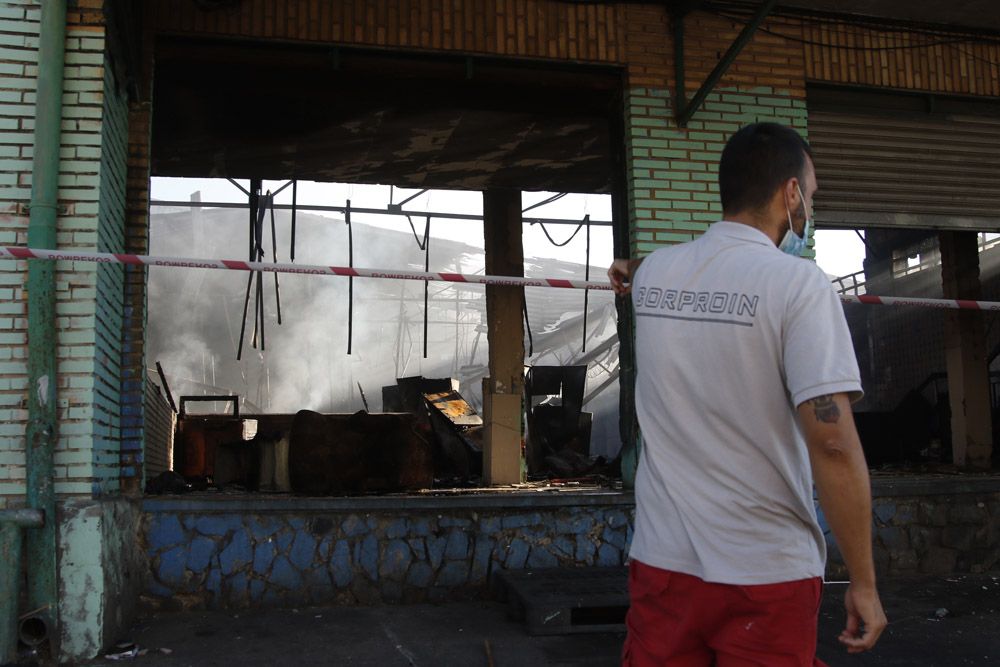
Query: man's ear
point(790, 191)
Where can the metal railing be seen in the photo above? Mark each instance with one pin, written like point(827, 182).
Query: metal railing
point(854, 283)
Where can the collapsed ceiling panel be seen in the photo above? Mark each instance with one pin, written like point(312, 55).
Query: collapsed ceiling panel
point(242, 111)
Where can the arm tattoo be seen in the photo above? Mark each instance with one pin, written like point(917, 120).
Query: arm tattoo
point(826, 409)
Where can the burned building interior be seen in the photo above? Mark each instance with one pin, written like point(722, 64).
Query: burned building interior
point(414, 123)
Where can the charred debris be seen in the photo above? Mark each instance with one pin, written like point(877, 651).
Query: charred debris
point(428, 439)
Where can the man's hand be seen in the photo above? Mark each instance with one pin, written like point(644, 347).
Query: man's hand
point(865, 618)
point(620, 275)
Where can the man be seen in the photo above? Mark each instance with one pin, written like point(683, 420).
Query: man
point(745, 374)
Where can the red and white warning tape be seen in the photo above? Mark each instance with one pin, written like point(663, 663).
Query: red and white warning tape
point(952, 304)
point(16, 252)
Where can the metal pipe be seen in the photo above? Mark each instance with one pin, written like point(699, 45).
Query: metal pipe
point(32, 630)
point(11, 523)
point(350, 280)
point(10, 576)
point(41, 432)
point(24, 517)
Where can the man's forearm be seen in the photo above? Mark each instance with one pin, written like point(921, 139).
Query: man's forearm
point(844, 489)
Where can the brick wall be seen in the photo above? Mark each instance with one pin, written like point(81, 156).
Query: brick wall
point(673, 171)
point(110, 287)
point(18, 57)
point(527, 28)
point(895, 59)
point(86, 315)
point(136, 241)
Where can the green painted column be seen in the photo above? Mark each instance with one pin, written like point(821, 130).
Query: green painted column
point(42, 433)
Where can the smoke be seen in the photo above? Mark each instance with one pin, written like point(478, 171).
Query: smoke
point(195, 317)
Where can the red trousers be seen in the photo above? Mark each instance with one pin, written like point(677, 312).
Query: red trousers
point(676, 620)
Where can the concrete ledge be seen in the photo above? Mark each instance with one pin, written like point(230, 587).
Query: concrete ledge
point(882, 487)
point(507, 500)
point(934, 485)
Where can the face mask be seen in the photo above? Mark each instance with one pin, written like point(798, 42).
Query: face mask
point(792, 243)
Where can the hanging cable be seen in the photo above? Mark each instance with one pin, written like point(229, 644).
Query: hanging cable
point(732, 12)
point(586, 292)
point(258, 230)
point(274, 257)
point(939, 36)
point(425, 246)
point(427, 268)
point(422, 245)
point(295, 188)
point(552, 241)
point(350, 279)
point(254, 204)
point(527, 327)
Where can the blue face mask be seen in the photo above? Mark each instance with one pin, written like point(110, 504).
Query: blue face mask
point(792, 243)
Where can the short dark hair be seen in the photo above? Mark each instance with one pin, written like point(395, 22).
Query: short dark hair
point(756, 161)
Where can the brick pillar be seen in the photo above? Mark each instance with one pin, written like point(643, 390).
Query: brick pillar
point(965, 353)
point(133, 362)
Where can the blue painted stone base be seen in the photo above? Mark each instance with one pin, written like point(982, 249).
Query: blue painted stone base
point(213, 558)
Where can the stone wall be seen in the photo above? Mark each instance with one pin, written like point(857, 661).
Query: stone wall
point(234, 553)
point(286, 552)
point(932, 525)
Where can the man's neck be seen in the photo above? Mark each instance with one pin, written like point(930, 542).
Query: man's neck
point(757, 221)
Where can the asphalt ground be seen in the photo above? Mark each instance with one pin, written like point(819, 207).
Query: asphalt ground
point(934, 621)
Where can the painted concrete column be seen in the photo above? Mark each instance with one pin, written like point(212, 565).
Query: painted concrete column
point(965, 353)
point(503, 390)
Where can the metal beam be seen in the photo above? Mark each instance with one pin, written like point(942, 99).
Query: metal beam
point(373, 211)
point(686, 110)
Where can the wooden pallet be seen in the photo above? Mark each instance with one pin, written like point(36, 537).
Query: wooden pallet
point(567, 600)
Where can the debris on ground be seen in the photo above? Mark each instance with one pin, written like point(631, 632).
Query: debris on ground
point(126, 651)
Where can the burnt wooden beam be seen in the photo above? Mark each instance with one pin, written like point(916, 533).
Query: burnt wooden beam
point(503, 390)
point(965, 353)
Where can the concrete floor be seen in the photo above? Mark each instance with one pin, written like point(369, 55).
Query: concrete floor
point(456, 634)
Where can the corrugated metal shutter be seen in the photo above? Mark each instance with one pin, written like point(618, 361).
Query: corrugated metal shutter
point(901, 168)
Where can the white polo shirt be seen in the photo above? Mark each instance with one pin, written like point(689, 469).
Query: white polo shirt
point(731, 335)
